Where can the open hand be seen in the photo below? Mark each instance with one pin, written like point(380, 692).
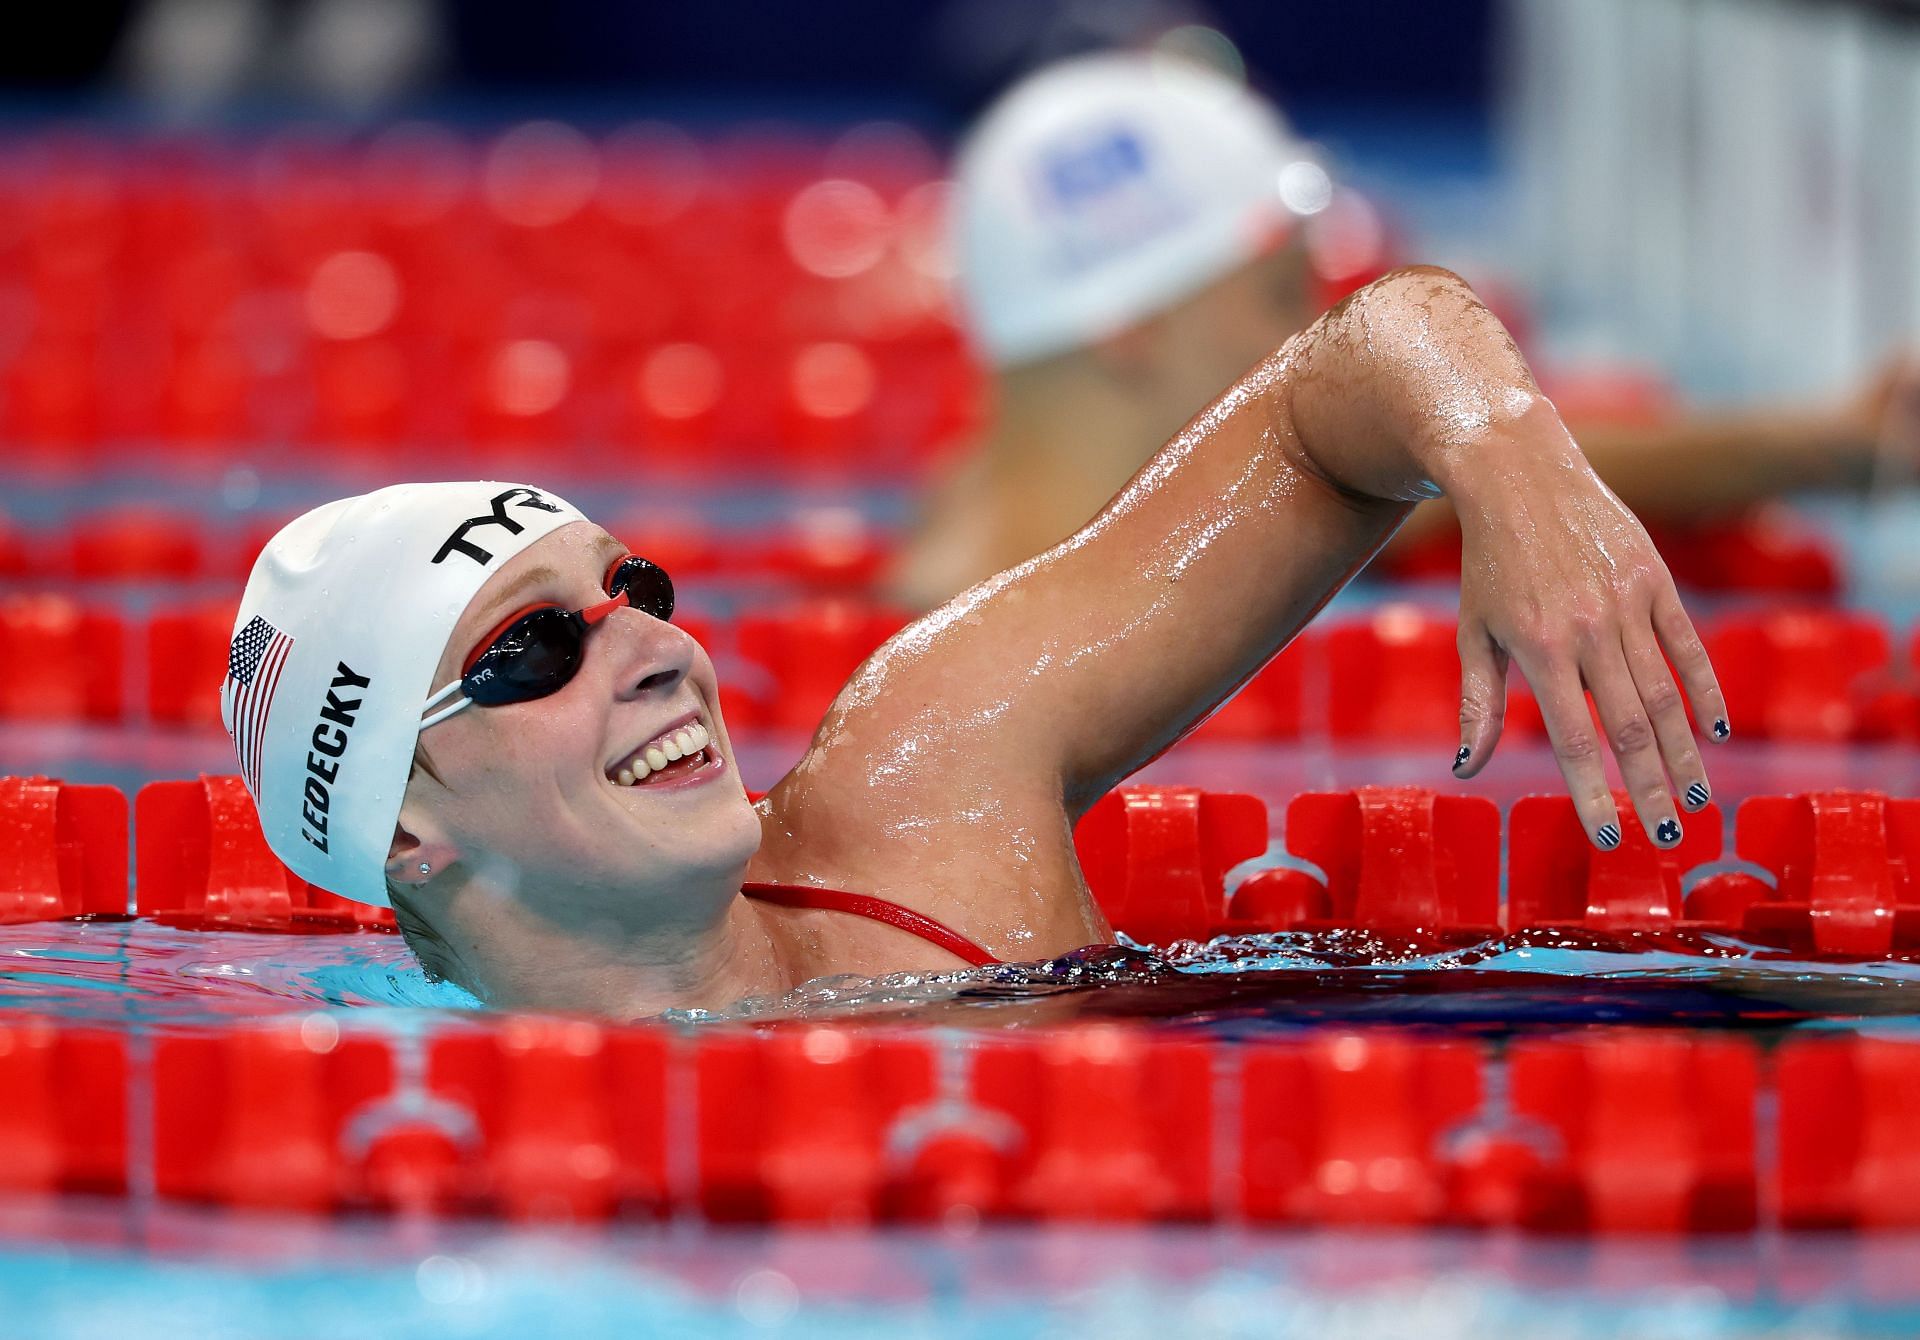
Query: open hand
point(1560, 577)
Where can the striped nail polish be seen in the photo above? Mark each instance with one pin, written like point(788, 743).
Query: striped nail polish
point(1667, 833)
point(1460, 759)
point(1607, 836)
point(1721, 730)
point(1697, 795)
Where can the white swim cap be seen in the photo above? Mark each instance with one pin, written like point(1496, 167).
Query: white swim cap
point(1105, 189)
point(342, 625)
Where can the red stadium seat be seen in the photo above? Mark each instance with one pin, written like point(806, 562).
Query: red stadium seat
point(811, 650)
point(1394, 676)
point(362, 397)
point(1116, 1125)
point(63, 850)
point(15, 550)
point(1655, 1131)
point(186, 660)
point(1350, 1128)
point(670, 399)
point(834, 549)
point(1763, 553)
point(1797, 674)
point(684, 547)
point(135, 544)
point(793, 1126)
point(206, 407)
point(762, 314)
point(202, 861)
point(1271, 706)
point(1157, 857)
point(572, 1117)
point(49, 396)
point(1767, 551)
point(67, 660)
point(1557, 877)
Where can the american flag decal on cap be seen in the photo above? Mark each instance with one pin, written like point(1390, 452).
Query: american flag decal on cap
point(254, 661)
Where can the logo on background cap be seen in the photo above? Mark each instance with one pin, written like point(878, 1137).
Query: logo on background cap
point(1079, 174)
point(1104, 193)
point(255, 659)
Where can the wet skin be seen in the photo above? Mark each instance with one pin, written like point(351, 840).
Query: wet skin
point(949, 772)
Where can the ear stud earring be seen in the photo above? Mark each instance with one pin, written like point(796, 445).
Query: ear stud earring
point(425, 869)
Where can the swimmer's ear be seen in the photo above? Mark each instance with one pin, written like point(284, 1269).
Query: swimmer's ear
point(414, 858)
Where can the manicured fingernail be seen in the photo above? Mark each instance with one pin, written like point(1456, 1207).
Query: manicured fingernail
point(1697, 795)
point(1721, 730)
point(1460, 759)
point(1667, 833)
point(1607, 837)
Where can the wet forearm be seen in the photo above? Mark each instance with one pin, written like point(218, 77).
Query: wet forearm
point(1412, 388)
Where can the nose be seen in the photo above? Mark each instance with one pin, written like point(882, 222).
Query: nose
point(646, 655)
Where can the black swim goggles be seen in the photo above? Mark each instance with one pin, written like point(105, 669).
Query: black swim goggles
point(538, 651)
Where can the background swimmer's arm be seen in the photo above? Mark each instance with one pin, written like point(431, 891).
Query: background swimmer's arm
point(1707, 464)
point(1074, 669)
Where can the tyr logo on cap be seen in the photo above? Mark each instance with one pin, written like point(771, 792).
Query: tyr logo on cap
point(458, 543)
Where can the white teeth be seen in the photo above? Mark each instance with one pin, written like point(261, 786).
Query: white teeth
point(683, 743)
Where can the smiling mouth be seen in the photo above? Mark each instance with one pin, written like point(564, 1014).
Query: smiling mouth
point(675, 753)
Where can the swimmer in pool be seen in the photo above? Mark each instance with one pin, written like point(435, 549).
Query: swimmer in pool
point(467, 699)
point(1126, 247)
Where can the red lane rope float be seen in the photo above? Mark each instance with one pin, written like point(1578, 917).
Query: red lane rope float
point(63, 850)
point(1610, 1130)
point(1837, 867)
point(63, 1108)
point(201, 861)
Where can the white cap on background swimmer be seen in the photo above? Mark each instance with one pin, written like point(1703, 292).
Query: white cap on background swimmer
point(342, 624)
point(1102, 190)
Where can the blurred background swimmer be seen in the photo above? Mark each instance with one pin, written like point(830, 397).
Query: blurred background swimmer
point(1132, 233)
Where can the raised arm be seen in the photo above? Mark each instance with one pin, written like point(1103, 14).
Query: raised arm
point(1074, 669)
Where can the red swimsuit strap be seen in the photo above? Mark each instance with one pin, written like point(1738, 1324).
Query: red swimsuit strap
point(874, 909)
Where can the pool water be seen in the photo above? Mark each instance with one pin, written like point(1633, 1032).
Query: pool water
point(75, 1268)
point(289, 1282)
point(145, 976)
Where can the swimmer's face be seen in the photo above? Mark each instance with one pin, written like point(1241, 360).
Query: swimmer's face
point(528, 793)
